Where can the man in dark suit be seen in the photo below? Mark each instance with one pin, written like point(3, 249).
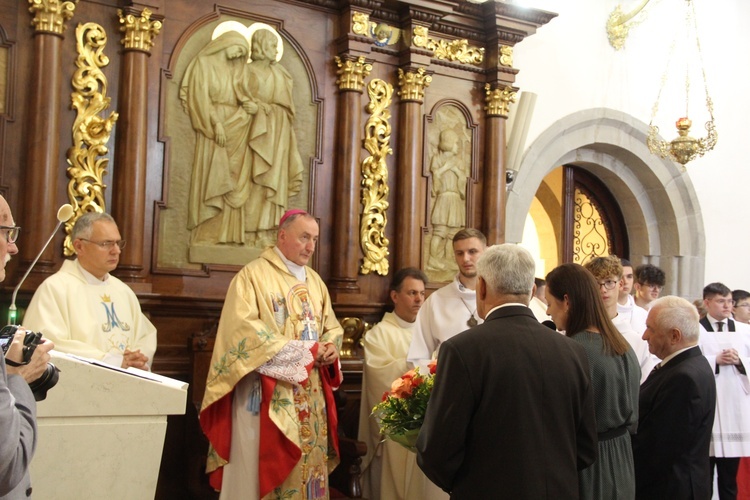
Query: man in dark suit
point(676, 408)
point(511, 414)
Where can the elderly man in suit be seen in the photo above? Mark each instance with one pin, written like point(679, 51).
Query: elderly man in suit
point(676, 408)
point(512, 410)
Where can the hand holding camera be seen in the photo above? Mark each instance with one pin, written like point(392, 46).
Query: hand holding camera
point(37, 364)
point(27, 354)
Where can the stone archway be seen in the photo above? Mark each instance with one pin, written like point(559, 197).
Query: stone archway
point(658, 201)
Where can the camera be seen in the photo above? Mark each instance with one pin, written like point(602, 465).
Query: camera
point(50, 376)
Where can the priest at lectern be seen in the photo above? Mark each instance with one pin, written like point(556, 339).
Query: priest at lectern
point(268, 410)
point(87, 312)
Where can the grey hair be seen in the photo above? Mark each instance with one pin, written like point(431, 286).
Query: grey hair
point(85, 223)
point(507, 269)
point(676, 312)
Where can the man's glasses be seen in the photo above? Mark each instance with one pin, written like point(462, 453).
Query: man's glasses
point(106, 245)
point(746, 305)
point(11, 233)
point(609, 284)
point(724, 302)
point(656, 288)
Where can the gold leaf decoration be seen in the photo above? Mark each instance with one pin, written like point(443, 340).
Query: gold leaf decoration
point(375, 179)
point(90, 131)
point(456, 50)
point(50, 15)
point(498, 100)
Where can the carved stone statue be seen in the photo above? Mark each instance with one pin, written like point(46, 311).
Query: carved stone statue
point(209, 95)
point(276, 167)
point(449, 173)
point(246, 164)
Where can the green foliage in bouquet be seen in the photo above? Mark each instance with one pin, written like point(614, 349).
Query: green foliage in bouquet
point(401, 412)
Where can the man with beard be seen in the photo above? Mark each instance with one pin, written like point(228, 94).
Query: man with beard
point(453, 308)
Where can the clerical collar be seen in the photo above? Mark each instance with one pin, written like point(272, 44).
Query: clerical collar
point(297, 270)
point(462, 287)
point(402, 322)
point(90, 278)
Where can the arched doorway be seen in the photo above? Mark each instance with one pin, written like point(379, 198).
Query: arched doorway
point(659, 206)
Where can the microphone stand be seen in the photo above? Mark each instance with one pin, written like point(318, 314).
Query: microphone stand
point(12, 310)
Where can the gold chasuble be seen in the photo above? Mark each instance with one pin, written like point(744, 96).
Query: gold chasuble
point(268, 331)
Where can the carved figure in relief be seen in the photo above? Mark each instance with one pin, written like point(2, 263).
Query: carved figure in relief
point(275, 166)
point(448, 214)
point(221, 120)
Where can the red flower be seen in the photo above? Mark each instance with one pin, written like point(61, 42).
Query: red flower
point(385, 396)
point(432, 365)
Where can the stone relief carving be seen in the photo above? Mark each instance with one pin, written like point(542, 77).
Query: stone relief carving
point(246, 165)
point(449, 164)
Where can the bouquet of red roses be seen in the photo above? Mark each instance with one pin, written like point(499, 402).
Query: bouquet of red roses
point(401, 412)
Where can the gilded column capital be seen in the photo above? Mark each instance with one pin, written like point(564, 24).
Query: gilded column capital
point(412, 84)
point(498, 100)
point(50, 15)
point(139, 30)
point(352, 73)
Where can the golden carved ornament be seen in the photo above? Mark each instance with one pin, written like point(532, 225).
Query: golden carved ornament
point(354, 333)
point(140, 31)
point(381, 33)
point(90, 131)
point(375, 179)
point(457, 50)
point(50, 15)
point(619, 24)
point(360, 23)
point(506, 56)
point(412, 85)
point(420, 36)
point(498, 100)
point(351, 74)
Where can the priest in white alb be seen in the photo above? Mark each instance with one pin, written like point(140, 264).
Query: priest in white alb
point(390, 471)
point(88, 312)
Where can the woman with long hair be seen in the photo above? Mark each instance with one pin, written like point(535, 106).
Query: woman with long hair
point(576, 306)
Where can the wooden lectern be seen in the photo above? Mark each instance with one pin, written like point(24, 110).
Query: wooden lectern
point(101, 431)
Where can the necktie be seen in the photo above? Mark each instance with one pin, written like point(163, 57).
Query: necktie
point(653, 370)
point(720, 326)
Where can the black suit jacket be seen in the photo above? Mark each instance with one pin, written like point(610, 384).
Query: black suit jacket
point(511, 414)
point(676, 416)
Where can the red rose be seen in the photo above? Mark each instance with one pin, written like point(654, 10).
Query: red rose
point(432, 365)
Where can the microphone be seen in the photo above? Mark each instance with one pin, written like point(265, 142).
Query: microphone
point(549, 324)
point(64, 213)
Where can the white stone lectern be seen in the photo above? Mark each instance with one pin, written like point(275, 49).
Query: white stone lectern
point(101, 431)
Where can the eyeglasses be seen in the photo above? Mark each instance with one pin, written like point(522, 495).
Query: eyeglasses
point(609, 284)
point(724, 302)
point(746, 305)
point(11, 233)
point(106, 245)
point(652, 287)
